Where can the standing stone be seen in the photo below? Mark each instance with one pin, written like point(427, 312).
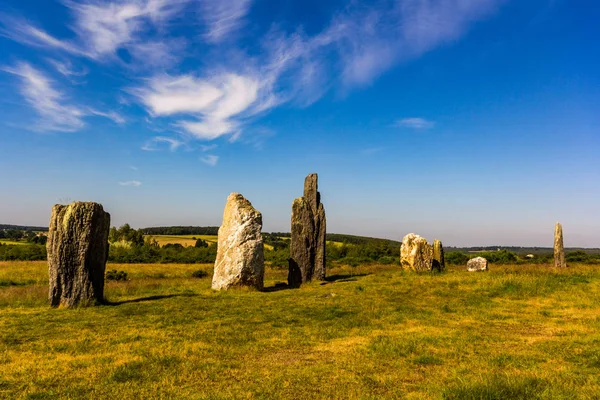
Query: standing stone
point(307, 248)
point(77, 252)
point(559, 248)
point(439, 262)
point(477, 264)
point(415, 253)
point(240, 253)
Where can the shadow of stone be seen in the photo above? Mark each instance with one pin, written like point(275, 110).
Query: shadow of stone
point(343, 278)
point(149, 298)
point(278, 286)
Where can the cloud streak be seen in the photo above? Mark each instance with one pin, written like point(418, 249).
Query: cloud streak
point(155, 143)
point(210, 160)
point(415, 123)
point(131, 183)
point(56, 114)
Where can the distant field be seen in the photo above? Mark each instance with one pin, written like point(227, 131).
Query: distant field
point(515, 332)
point(187, 240)
point(4, 241)
point(184, 240)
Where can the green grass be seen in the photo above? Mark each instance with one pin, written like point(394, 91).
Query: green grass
point(516, 332)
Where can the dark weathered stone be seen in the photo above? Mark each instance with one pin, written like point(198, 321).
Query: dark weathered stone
point(321, 243)
point(439, 262)
point(240, 253)
point(307, 248)
point(477, 264)
point(77, 253)
point(302, 244)
point(559, 248)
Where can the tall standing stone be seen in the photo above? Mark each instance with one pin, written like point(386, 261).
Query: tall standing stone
point(308, 229)
point(77, 252)
point(439, 262)
point(416, 254)
point(559, 248)
point(240, 252)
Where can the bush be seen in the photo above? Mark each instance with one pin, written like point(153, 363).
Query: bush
point(456, 258)
point(199, 274)
point(113, 275)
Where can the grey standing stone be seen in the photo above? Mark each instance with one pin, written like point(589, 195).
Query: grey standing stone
point(559, 248)
point(416, 254)
point(477, 264)
point(308, 231)
point(240, 252)
point(439, 262)
point(77, 252)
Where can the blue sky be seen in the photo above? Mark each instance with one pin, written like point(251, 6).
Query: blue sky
point(472, 121)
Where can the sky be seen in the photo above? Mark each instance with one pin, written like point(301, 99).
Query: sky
point(476, 122)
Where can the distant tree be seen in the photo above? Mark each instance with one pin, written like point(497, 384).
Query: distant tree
point(200, 243)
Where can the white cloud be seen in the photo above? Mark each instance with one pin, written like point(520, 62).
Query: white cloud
point(50, 104)
point(207, 147)
point(131, 183)
point(223, 17)
point(218, 103)
point(210, 160)
point(154, 143)
point(415, 123)
point(102, 28)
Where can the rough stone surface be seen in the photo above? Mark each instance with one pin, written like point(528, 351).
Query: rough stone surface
point(477, 264)
point(240, 252)
point(439, 262)
point(77, 252)
point(307, 248)
point(559, 248)
point(415, 253)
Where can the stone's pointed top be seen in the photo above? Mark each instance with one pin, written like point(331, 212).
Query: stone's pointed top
point(311, 191)
point(238, 204)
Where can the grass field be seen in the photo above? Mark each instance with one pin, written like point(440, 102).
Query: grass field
point(516, 332)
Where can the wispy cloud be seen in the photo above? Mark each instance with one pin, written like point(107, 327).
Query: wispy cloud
point(155, 143)
point(233, 82)
point(131, 183)
point(223, 17)
point(415, 123)
point(51, 103)
point(112, 115)
point(210, 159)
point(207, 147)
point(217, 104)
point(67, 69)
point(102, 28)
